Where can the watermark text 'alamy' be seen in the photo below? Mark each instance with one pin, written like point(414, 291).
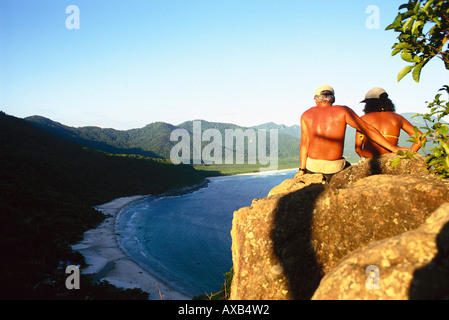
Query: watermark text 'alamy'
point(191, 151)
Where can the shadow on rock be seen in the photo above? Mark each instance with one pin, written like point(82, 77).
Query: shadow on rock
point(432, 281)
point(292, 241)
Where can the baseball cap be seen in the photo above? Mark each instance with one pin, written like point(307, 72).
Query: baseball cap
point(324, 90)
point(374, 93)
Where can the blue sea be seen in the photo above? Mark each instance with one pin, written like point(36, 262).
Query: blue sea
point(185, 240)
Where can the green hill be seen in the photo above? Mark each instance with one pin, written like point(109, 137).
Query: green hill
point(48, 187)
point(154, 140)
point(107, 140)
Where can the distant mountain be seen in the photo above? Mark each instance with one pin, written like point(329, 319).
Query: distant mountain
point(294, 131)
point(153, 140)
point(107, 140)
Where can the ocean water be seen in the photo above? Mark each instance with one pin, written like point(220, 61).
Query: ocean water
point(185, 240)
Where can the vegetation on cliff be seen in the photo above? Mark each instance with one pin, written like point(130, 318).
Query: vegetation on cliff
point(423, 28)
point(437, 132)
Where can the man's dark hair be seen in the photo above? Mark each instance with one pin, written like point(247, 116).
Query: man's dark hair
point(379, 105)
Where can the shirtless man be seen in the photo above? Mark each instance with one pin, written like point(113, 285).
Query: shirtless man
point(323, 129)
point(380, 113)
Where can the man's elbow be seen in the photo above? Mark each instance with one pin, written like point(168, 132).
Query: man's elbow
point(372, 132)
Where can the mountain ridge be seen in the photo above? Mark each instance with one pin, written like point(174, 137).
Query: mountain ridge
point(153, 140)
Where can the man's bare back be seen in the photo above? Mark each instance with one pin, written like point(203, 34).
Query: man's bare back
point(326, 128)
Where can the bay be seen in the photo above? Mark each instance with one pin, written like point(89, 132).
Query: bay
point(185, 240)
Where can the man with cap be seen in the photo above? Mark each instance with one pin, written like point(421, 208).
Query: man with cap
point(323, 130)
point(380, 113)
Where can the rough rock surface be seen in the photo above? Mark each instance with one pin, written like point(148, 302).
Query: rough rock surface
point(380, 165)
point(413, 265)
point(284, 244)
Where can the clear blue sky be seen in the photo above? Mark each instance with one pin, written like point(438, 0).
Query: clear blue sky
point(247, 62)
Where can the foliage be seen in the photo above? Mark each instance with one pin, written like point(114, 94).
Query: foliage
point(423, 33)
point(48, 187)
point(438, 133)
point(88, 290)
point(224, 293)
point(435, 131)
point(401, 156)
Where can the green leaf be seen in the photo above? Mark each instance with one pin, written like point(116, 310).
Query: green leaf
point(408, 14)
point(416, 8)
point(396, 51)
point(446, 148)
point(426, 6)
point(404, 36)
point(395, 162)
point(404, 72)
point(396, 24)
point(444, 129)
point(407, 56)
point(401, 45)
point(408, 24)
point(432, 30)
point(437, 21)
point(417, 71)
point(415, 27)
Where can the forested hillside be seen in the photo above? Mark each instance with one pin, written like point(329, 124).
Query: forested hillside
point(48, 187)
point(154, 139)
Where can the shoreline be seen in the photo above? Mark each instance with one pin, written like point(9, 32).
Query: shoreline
point(108, 261)
point(258, 173)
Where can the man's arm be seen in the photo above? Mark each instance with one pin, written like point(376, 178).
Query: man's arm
point(356, 122)
point(304, 147)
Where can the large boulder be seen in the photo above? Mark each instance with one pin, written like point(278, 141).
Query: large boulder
point(380, 165)
point(283, 245)
point(413, 265)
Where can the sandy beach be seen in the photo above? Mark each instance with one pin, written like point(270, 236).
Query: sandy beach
point(109, 262)
point(257, 173)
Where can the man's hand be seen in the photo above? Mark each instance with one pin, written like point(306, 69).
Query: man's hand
point(299, 174)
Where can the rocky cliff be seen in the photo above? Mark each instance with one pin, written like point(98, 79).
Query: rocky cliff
point(373, 232)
